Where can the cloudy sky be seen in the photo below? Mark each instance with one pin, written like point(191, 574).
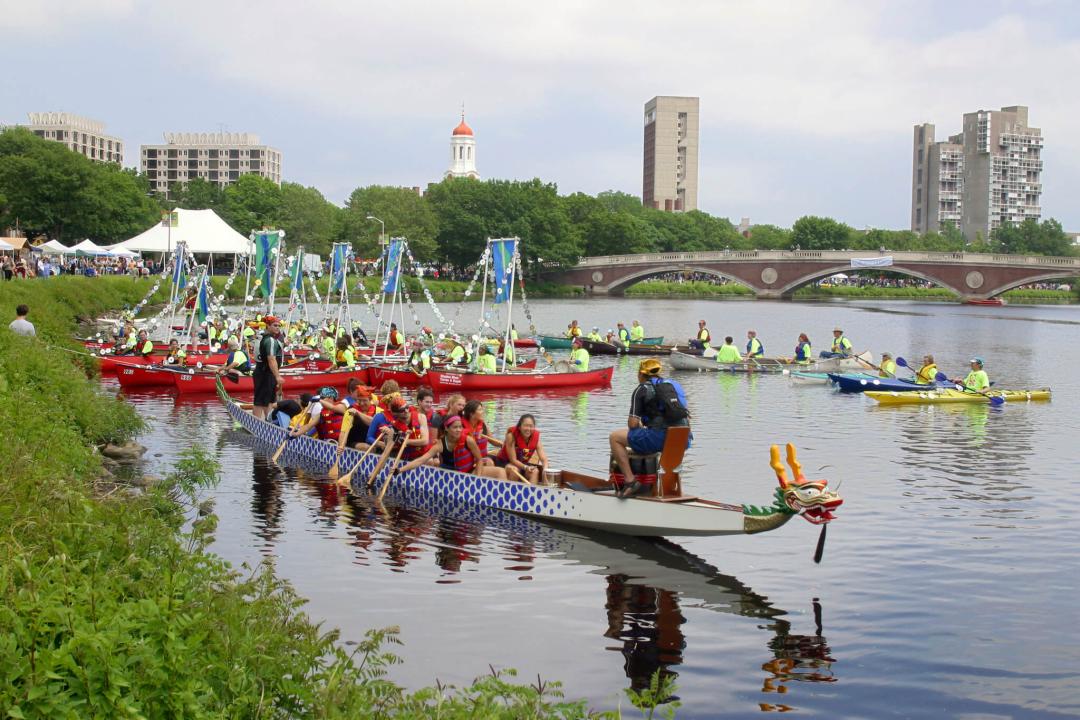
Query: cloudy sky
point(807, 107)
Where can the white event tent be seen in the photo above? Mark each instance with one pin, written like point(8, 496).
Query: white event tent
point(55, 247)
point(202, 230)
point(87, 247)
point(6, 246)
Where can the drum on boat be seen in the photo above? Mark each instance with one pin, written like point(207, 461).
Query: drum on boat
point(552, 477)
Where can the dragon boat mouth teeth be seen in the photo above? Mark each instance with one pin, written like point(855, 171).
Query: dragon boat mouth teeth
point(820, 514)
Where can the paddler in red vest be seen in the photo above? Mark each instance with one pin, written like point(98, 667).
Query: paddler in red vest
point(522, 453)
point(455, 450)
point(410, 426)
point(326, 422)
point(394, 340)
point(478, 429)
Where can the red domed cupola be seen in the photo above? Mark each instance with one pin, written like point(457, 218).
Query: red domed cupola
point(463, 129)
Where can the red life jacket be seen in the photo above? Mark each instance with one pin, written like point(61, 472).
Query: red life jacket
point(329, 425)
point(522, 450)
point(463, 457)
point(478, 435)
point(411, 430)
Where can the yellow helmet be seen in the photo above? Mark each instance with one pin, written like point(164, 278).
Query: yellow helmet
point(650, 366)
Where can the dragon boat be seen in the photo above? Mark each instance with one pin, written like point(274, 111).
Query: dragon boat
point(952, 395)
point(457, 381)
point(577, 499)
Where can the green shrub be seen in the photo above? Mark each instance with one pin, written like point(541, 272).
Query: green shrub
point(697, 288)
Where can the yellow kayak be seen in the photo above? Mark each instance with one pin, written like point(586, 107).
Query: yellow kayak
point(957, 396)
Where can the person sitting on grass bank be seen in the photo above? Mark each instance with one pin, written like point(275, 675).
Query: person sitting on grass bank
point(977, 380)
point(20, 325)
point(728, 353)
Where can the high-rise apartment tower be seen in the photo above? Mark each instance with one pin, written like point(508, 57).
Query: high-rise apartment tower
point(987, 176)
point(83, 135)
point(219, 158)
point(670, 169)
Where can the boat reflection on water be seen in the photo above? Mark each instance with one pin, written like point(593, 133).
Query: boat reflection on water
point(649, 583)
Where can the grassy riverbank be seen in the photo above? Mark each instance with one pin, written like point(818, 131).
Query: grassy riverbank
point(111, 605)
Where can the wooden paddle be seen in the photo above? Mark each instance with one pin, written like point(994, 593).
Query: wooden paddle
point(390, 477)
point(346, 426)
point(346, 479)
point(671, 457)
point(389, 447)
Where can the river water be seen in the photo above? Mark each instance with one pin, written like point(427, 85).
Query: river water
point(948, 587)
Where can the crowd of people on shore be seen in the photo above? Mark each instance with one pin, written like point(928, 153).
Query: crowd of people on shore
point(46, 266)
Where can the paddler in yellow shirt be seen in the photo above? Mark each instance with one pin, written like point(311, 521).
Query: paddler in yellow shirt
point(977, 380)
point(637, 332)
point(887, 368)
point(728, 353)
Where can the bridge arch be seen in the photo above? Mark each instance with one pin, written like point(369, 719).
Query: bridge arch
point(619, 286)
point(789, 289)
point(1027, 281)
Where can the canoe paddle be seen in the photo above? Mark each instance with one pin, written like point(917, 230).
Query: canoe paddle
point(346, 479)
point(277, 454)
point(393, 471)
point(382, 461)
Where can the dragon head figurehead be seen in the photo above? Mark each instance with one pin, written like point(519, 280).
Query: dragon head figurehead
point(810, 498)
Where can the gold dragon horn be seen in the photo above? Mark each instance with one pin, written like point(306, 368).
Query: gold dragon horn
point(777, 466)
point(796, 466)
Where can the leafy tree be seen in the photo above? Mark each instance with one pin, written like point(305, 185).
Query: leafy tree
point(250, 203)
point(764, 237)
point(952, 236)
point(308, 218)
point(1032, 237)
point(197, 194)
point(819, 233)
point(405, 213)
point(621, 202)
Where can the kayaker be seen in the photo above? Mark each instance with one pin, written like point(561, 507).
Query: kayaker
point(458, 354)
point(326, 422)
point(344, 357)
point(887, 368)
point(841, 346)
point(595, 335)
point(977, 380)
point(728, 353)
point(579, 356)
point(701, 341)
point(485, 361)
point(268, 362)
point(572, 330)
point(394, 339)
point(236, 360)
point(637, 332)
point(623, 333)
point(522, 453)
point(754, 348)
point(803, 350)
point(928, 372)
point(419, 358)
point(655, 405)
point(143, 345)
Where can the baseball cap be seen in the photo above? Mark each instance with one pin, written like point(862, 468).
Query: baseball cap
point(976, 360)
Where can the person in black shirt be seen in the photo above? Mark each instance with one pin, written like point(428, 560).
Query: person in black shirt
point(268, 361)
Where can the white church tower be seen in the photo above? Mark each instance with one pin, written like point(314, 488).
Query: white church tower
point(463, 152)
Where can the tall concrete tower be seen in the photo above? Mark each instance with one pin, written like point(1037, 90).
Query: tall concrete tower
point(463, 152)
point(670, 167)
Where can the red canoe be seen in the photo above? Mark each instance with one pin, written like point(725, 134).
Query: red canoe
point(446, 381)
point(197, 381)
point(152, 375)
point(992, 302)
point(406, 378)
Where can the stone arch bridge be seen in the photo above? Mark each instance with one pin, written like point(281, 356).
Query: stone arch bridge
point(777, 274)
